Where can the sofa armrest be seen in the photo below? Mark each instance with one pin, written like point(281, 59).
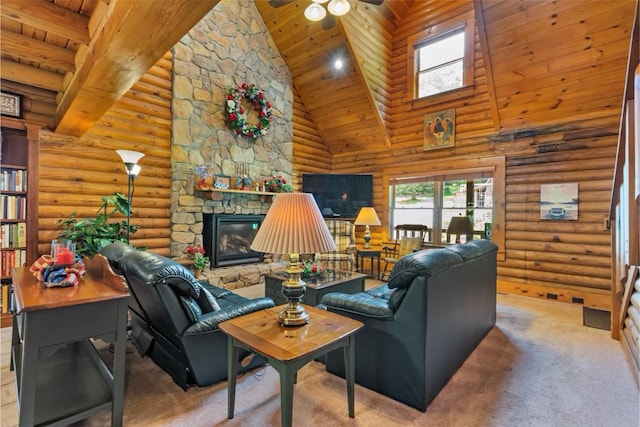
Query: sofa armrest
point(210, 321)
point(362, 304)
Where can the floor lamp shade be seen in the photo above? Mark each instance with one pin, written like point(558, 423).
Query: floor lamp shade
point(130, 160)
point(293, 225)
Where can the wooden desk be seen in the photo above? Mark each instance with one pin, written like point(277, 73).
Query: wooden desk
point(289, 348)
point(60, 376)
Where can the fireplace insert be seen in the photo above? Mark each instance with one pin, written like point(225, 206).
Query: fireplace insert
point(227, 239)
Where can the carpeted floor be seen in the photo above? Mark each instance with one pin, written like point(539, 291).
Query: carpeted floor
point(538, 367)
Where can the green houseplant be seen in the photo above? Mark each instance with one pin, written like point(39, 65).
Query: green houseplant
point(92, 234)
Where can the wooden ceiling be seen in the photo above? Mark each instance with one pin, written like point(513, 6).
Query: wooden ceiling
point(537, 56)
point(89, 52)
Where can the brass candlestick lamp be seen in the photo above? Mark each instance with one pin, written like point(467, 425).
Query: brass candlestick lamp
point(293, 226)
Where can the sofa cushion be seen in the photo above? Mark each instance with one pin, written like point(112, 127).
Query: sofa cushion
point(425, 263)
point(466, 251)
point(409, 245)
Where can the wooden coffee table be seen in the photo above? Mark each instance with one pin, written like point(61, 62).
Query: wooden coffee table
point(331, 281)
point(289, 348)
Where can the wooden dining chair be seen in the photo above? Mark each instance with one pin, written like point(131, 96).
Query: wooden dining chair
point(408, 238)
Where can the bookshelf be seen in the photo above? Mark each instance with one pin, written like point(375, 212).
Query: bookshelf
point(18, 204)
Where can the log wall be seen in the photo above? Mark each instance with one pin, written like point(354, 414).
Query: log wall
point(564, 260)
point(74, 173)
point(310, 153)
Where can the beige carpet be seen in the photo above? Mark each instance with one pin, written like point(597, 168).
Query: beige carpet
point(538, 367)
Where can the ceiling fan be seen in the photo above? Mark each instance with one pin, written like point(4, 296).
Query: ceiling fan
point(316, 12)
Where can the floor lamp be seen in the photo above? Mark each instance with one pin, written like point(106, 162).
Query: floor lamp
point(293, 226)
point(130, 160)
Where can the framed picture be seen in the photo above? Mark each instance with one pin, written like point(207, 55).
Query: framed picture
point(11, 104)
point(439, 130)
point(222, 181)
point(559, 201)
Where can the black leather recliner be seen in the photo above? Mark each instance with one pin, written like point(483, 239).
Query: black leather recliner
point(422, 325)
point(174, 317)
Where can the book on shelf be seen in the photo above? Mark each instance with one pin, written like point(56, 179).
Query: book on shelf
point(13, 180)
point(13, 235)
point(5, 298)
point(21, 228)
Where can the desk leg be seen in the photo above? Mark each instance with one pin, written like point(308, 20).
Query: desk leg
point(118, 364)
point(28, 369)
point(232, 370)
point(349, 373)
point(287, 378)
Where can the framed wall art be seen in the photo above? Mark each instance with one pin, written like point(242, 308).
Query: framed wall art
point(11, 104)
point(559, 201)
point(222, 181)
point(439, 130)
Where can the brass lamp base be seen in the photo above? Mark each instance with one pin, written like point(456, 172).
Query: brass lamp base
point(293, 290)
point(367, 237)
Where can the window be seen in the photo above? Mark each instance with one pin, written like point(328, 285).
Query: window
point(440, 64)
point(433, 201)
point(440, 61)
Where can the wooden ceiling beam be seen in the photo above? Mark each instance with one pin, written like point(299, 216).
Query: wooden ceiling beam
point(31, 76)
point(30, 49)
point(48, 17)
point(134, 36)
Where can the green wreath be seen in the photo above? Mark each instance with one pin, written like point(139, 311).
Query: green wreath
point(235, 112)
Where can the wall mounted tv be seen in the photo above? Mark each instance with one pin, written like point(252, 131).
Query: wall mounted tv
point(339, 195)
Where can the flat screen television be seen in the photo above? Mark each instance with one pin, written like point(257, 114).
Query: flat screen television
point(339, 195)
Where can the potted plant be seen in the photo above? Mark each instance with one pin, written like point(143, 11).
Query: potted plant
point(92, 234)
point(200, 261)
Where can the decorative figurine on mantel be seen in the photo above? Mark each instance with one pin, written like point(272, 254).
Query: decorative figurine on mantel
point(243, 182)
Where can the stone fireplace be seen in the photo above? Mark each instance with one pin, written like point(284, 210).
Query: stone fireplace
point(229, 46)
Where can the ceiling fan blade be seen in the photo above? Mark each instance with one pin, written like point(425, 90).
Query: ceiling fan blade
point(279, 3)
point(328, 22)
point(375, 2)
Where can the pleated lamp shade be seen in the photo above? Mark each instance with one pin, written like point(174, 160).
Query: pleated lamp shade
point(293, 225)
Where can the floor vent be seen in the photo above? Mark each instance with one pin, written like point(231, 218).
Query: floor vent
point(593, 318)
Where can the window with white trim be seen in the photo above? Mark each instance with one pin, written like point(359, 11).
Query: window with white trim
point(440, 66)
point(440, 61)
point(434, 200)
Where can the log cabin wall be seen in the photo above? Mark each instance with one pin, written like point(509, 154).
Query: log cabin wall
point(310, 154)
point(571, 138)
point(74, 173)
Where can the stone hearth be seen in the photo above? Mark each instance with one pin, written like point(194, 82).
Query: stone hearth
point(241, 276)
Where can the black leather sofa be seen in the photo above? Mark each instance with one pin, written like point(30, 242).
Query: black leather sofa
point(174, 317)
point(422, 325)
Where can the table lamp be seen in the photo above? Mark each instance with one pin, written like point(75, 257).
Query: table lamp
point(367, 216)
point(460, 225)
point(293, 225)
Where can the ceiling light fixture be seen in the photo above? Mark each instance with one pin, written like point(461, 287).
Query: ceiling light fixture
point(339, 7)
point(315, 12)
